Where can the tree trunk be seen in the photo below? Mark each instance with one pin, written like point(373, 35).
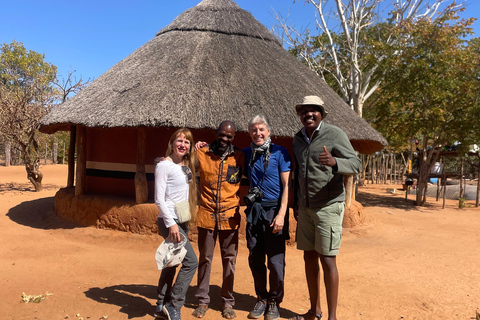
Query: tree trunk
point(34, 175)
point(8, 154)
point(428, 158)
point(422, 184)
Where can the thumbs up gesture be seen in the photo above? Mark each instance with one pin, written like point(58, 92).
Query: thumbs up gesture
point(326, 158)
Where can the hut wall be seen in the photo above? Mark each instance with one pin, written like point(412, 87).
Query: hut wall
point(111, 159)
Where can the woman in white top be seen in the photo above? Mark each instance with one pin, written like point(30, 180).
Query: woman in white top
point(174, 186)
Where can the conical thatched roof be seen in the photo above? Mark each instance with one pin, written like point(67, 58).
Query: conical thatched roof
point(214, 62)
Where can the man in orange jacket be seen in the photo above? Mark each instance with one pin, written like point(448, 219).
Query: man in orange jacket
point(221, 166)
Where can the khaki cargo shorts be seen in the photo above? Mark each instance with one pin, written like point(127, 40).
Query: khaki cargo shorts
point(320, 229)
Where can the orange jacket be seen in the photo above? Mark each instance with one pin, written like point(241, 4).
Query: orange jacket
point(219, 184)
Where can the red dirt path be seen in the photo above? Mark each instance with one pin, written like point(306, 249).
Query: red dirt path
point(405, 262)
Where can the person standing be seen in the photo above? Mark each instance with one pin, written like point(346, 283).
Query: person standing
point(322, 154)
point(269, 168)
point(221, 166)
point(174, 186)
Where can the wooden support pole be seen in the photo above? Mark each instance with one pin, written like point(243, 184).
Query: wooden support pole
point(444, 189)
point(462, 172)
point(372, 168)
point(141, 188)
point(438, 188)
point(71, 157)
point(81, 160)
point(394, 162)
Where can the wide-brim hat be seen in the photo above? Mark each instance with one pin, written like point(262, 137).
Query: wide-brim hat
point(312, 101)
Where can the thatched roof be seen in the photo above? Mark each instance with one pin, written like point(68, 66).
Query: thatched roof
point(214, 62)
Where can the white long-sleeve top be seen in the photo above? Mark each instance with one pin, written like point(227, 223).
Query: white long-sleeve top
point(171, 187)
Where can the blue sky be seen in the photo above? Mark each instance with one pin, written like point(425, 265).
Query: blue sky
point(91, 36)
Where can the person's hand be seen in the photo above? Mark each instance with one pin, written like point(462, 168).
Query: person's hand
point(277, 223)
point(199, 145)
point(326, 158)
point(174, 234)
point(158, 159)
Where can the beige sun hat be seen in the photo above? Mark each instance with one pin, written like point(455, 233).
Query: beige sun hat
point(312, 101)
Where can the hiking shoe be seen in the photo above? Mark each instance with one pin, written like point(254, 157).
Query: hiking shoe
point(272, 311)
point(258, 310)
point(171, 312)
point(159, 314)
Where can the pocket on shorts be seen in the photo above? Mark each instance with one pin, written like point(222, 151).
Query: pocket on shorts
point(335, 237)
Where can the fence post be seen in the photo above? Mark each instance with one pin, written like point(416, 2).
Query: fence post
point(8, 154)
point(55, 153)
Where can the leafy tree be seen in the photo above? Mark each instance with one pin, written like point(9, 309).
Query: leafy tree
point(29, 88)
point(26, 94)
point(348, 43)
point(429, 89)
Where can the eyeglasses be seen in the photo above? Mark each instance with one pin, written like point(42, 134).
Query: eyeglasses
point(188, 173)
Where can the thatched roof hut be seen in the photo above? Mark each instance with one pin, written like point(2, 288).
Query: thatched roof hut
point(214, 61)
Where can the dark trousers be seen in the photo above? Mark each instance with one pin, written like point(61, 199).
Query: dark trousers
point(175, 293)
point(262, 242)
point(228, 241)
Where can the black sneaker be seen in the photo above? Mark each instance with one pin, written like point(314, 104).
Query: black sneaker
point(272, 311)
point(258, 310)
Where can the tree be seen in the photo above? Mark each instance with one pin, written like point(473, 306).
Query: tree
point(29, 88)
point(26, 94)
point(429, 89)
point(351, 41)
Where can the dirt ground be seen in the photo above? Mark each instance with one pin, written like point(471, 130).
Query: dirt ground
point(405, 262)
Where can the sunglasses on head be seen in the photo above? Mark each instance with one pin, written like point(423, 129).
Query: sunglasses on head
point(188, 173)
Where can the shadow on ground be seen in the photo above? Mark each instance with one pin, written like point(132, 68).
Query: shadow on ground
point(39, 214)
point(24, 187)
point(134, 300)
point(389, 200)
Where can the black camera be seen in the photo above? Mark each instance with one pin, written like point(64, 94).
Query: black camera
point(254, 194)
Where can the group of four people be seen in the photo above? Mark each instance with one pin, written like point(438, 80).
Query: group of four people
point(322, 155)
